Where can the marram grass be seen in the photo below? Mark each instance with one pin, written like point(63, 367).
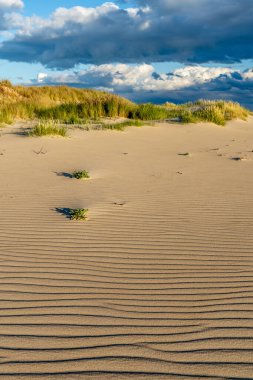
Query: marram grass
point(77, 106)
point(48, 128)
point(214, 111)
point(69, 105)
point(122, 125)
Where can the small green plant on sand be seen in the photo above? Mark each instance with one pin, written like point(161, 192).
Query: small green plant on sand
point(48, 128)
point(78, 214)
point(122, 125)
point(82, 174)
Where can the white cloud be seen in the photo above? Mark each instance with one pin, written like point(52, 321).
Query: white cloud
point(142, 83)
point(143, 77)
point(11, 4)
point(248, 74)
point(7, 15)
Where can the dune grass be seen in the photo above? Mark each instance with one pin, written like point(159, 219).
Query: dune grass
point(69, 105)
point(122, 125)
point(149, 111)
point(81, 174)
point(78, 214)
point(77, 106)
point(214, 111)
point(48, 128)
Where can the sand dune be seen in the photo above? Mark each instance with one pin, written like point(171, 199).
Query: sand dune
point(158, 283)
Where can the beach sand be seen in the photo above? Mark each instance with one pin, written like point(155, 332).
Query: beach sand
point(158, 283)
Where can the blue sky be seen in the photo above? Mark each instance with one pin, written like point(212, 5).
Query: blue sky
point(144, 49)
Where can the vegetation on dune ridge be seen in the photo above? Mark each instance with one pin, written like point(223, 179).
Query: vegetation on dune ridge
point(214, 111)
point(75, 106)
point(67, 104)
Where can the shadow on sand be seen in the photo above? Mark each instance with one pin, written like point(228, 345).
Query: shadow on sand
point(64, 174)
point(64, 211)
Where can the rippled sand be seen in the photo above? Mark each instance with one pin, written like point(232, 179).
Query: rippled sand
point(158, 283)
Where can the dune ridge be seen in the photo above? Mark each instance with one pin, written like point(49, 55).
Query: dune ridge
point(157, 284)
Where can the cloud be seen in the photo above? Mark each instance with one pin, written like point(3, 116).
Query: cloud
point(5, 4)
point(186, 31)
point(7, 8)
point(143, 83)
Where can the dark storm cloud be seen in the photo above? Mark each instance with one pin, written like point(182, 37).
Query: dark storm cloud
point(188, 31)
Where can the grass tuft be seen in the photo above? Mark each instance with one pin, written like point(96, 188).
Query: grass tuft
point(122, 125)
point(82, 174)
point(150, 112)
point(78, 214)
point(48, 128)
point(214, 111)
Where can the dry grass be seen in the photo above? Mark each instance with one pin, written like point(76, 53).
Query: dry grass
point(76, 106)
point(69, 105)
point(214, 111)
point(48, 128)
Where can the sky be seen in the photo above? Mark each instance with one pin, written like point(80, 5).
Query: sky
point(145, 50)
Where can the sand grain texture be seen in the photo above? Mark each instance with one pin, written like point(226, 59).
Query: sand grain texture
point(157, 284)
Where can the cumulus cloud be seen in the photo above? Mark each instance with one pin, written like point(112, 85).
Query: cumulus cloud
point(187, 31)
point(7, 15)
point(11, 4)
point(143, 83)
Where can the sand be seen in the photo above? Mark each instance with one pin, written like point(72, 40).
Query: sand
point(157, 284)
